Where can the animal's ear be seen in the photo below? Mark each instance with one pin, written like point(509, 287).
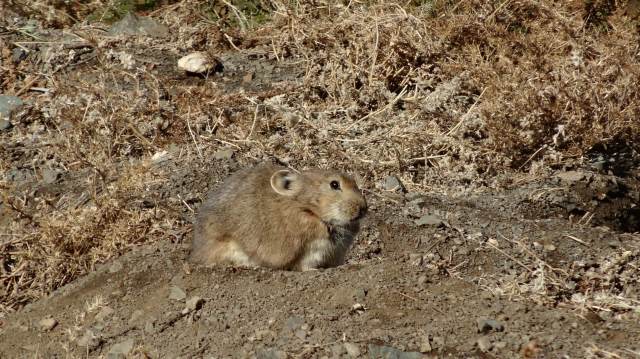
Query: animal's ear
point(286, 183)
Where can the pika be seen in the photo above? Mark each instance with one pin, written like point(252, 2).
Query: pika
point(270, 216)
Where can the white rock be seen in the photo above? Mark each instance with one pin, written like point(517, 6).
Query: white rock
point(127, 61)
point(352, 349)
point(198, 62)
point(160, 156)
point(48, 324)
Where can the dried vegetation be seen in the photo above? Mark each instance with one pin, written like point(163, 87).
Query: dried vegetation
point(451, 95)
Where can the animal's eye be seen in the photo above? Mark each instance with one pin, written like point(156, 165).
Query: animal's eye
point(335, 185)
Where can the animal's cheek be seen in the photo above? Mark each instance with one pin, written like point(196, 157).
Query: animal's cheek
point(355, 210)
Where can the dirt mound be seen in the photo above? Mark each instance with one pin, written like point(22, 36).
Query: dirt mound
point(483, 281)
point(497, 145)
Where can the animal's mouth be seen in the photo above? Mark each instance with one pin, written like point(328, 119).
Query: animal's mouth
point(345, 223)
point(361, 214)
point(334, 223)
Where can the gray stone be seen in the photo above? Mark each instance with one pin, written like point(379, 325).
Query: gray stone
point(199, 62)
point(115, 267)
point(264, 333)
point(120, 350)
point(177, 294)
point(132, 24)
point(301, 334)
point(359, 294)
point(353, 350)
point(149, 328)
point(500, 345)
point(572, 176)
point(17, 55)
point(392, 183)
point(438, 342)
point(89, 340)
point(5, 124)
point(17, 175)
point(50, 176)
point(293, 323)
point(415, 259)
point(194, 303)
point(599, 165)
point(337, 350)
point(488, 325)
point(135, 316)
point(104, 314)
point(382, 351)
point(429, 220)
point(415, 198)
point(47, 324)
point(8, 105)
point(271, 354)
point(484, 344)
point(223, 154)
point(425, 346)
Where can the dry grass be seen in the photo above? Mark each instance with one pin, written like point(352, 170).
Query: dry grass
point(445, 94)
point(604, 283)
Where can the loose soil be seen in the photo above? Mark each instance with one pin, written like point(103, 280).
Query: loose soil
point(469, 249)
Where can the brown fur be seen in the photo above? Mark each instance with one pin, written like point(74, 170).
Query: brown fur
point(272, 217)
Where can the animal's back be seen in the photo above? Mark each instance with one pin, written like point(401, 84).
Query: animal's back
point(235, 209)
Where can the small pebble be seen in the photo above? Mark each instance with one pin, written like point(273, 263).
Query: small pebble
point(197, 62)
point(149, 328)
point(115, 267)
point(18, 55)
point(8, 105)
point(104, 314)
point(415, 259)
point(193, 304)
point(294, 323)
point(500, 345)
point(425, 346)
point(132, 24)
point(223, 154)
point(392, 183)
point(352, 349)
point(135, 316)
point(359, 294)
point(429, 220)
point(357, 308)
point(47, 324)
point(438, 342)
point(337, 350)
point(50, 176)
point(487, 325)
point(301, 334)
point(5, 124)
point(121, 350)
point(484, 344)
point(88, 340)
point(177, 294)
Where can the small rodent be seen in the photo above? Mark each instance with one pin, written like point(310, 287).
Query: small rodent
point(270, 216)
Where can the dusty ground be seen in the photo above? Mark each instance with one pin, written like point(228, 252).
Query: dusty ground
point(406, 287)
point(501, 166)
